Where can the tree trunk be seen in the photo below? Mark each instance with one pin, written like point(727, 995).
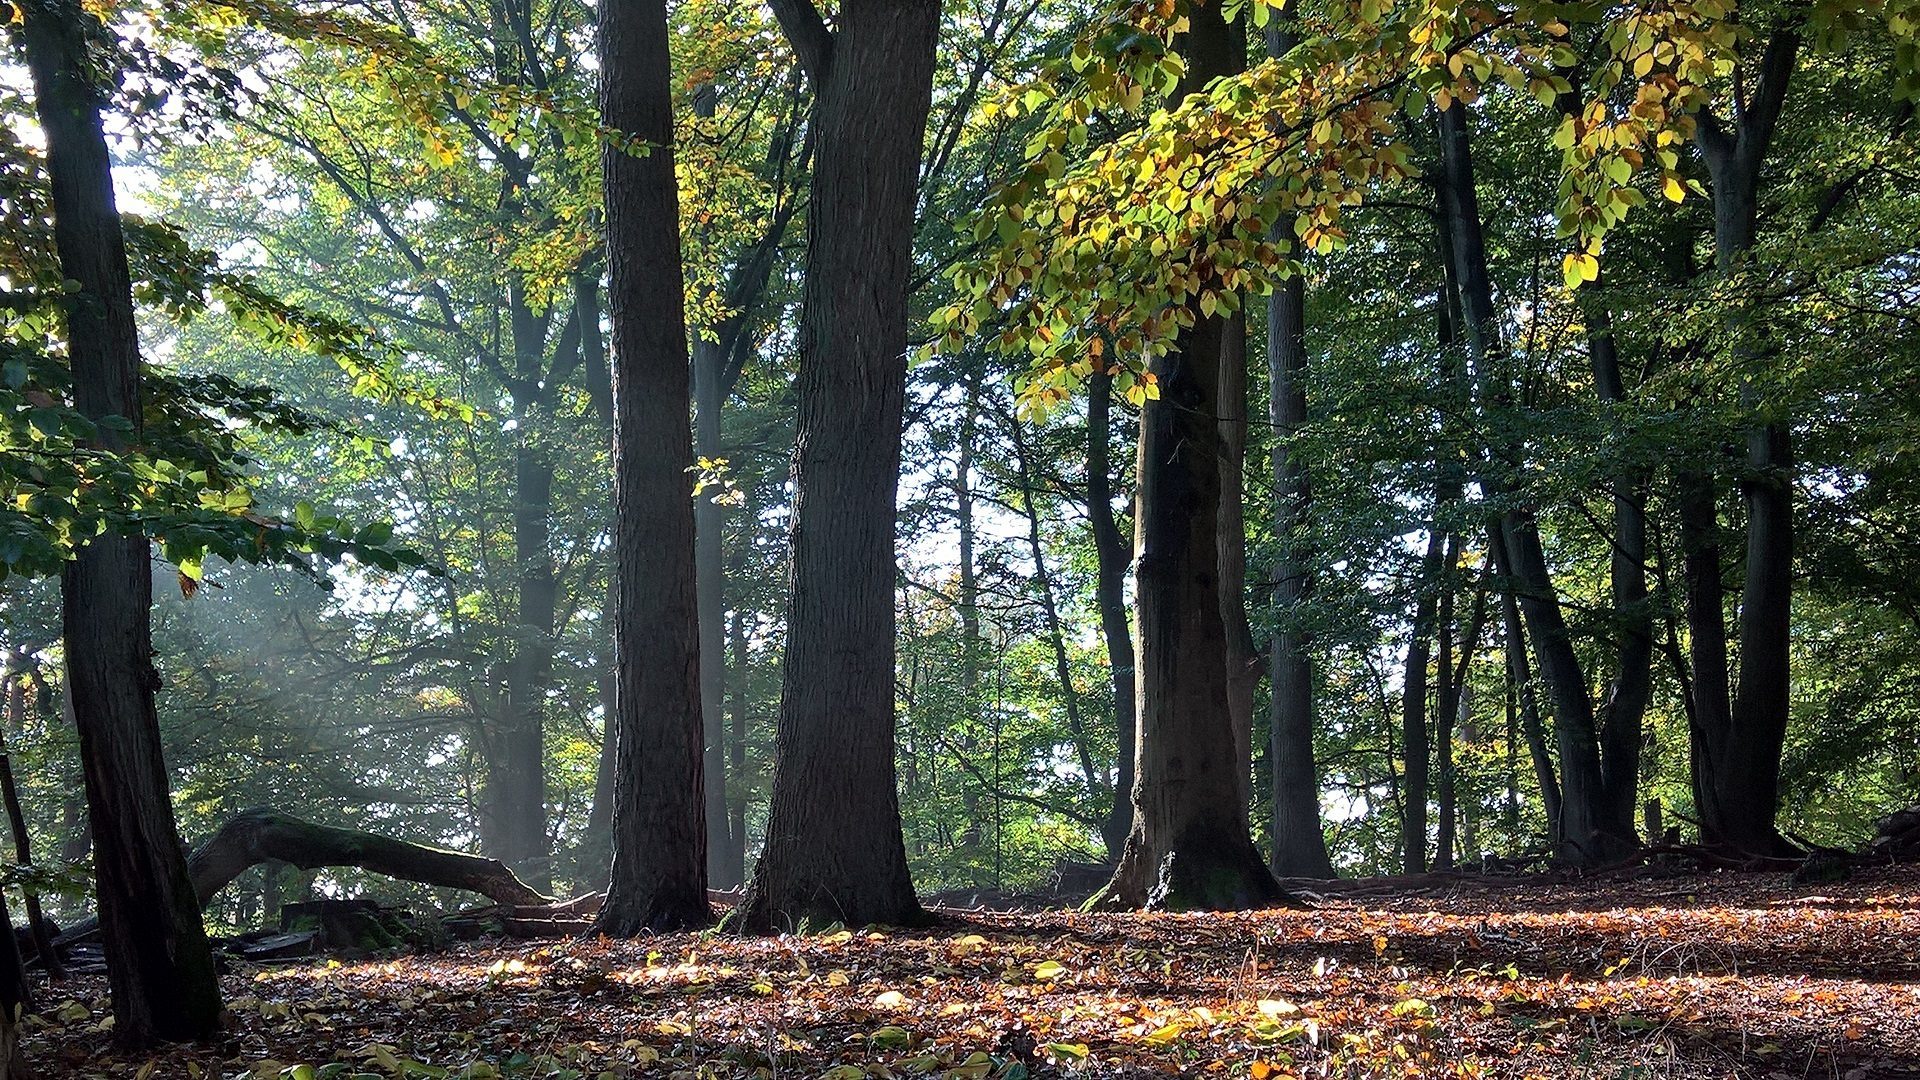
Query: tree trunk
point(15, 998)
point(1299, 845)
point(834, 850)
point(1417, 742)
point(972, 827)
point(659, 879)
point(1050, 610)
point(710, 572)
point(158, 962)
point(1190, 847)
point(1623, 712)
point(1110, 595)
point(1589, 835)
point(22, 842)
point(1445, 698)
point(1742, 775)
point(1242, 659)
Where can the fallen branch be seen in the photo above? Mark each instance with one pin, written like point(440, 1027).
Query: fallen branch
point(266, 835)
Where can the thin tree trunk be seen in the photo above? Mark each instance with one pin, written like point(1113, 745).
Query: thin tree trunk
point(1299, 845)
point(659, 879)
point(1242, 659)
point(1623, 711)
point(1416, 742)
point(159, 966)
point(1113, 559)
point(1520, 674)
point(1050, 610)
point(710, 584)
point(973, 826)
point(22, 841)
point(1444, 698)
point(834, 850)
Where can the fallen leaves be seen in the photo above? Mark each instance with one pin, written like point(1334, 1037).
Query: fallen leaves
point(1509, 981)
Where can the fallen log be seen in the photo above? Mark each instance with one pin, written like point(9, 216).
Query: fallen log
point(266, 835)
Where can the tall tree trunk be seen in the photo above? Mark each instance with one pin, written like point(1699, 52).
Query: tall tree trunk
point(1623, 711)
point(710, 584)
point(659, 879)
point(1299, 845)
point(1110, 594)
point(1242, 659)
point(1589, 834)
point(737, 742)
point(1520, 674)
point(514, 804)
point(1190, 847)
point(158, 963)
point(834, 850)
point(973, 826)
point(1445, 697)
point(1050, 609)
point(1741, 773)
point(1416, 741)
point(709, 520)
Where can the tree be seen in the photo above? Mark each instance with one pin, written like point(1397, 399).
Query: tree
point(1189, 847)
point(834, 850)
point(1739, 740)
point(159, 964)
point(659, 831)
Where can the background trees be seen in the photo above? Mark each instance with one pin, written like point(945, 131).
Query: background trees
point(1579, 482)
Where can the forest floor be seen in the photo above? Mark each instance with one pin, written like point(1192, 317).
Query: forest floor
point(1662, 975)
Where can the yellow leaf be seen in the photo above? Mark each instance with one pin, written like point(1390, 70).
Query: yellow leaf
point(1674, 189)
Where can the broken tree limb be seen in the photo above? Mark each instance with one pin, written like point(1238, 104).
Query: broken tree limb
point(267, 835)
point(264, 834)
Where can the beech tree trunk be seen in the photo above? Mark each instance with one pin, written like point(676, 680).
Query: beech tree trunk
point(1415, 736)
point(834, 850)
point(1190, 847)
point(1110, 594)
point(659, 879)
point(159, 966)
point(1589, 833)
point(1737, 778)
point(710, 585)
point(1242, 659)
point(1299, 845)
point(1050, 609)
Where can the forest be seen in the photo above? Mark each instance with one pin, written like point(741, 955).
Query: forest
point(983, 539)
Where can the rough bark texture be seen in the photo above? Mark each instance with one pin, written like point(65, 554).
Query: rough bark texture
point(833, 848)
point(659, 879)
point(1737, 777)
point(1299, 845)
point(158, 963)
point(1110, 593)
point(1189, 848)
